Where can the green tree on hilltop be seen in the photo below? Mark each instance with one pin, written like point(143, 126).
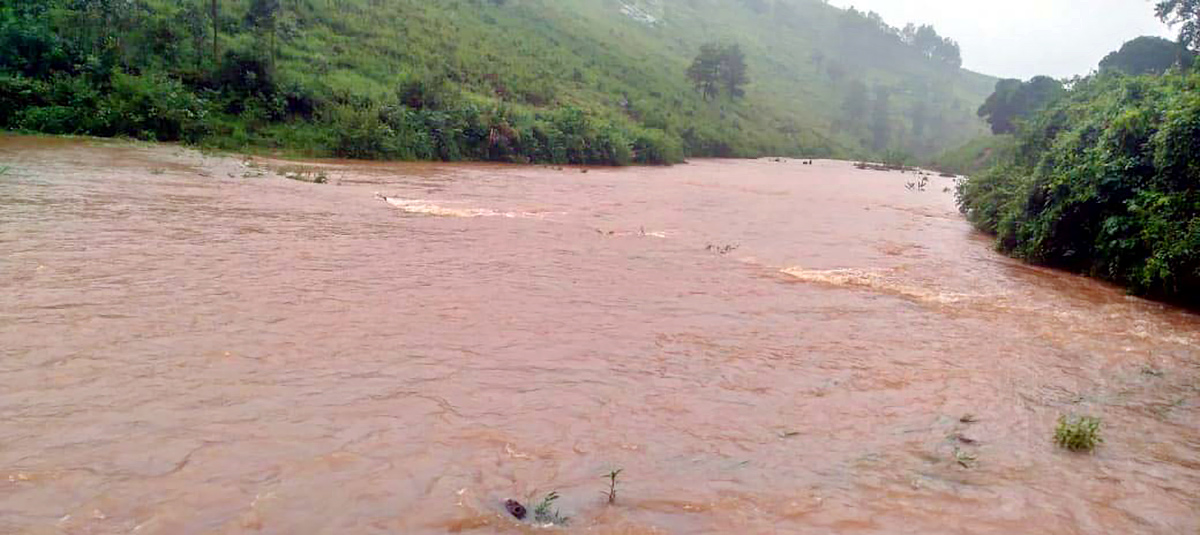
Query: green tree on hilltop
point(718, 68)
point(262, 16)
point(733, 71)
point(705, 71)
point(215, 12)
point(1146, 55)
point(1014, 99)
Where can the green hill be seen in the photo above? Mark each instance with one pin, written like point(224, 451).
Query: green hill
point(589, 81)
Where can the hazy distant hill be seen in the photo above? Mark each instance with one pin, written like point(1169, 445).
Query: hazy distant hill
point(823, 81)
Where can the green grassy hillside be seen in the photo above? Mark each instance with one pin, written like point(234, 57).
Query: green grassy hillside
point(599, 81)
point(976, 155)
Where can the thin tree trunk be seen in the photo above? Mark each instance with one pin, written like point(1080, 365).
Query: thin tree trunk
point(216, 28)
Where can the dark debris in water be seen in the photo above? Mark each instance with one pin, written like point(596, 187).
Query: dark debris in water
point(722, 249)
point(516, 509)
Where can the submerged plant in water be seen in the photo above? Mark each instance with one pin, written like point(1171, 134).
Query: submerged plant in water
point(1078, 433)
point(543, 514)
point(918, 185)
point(612, 484)
point(965, 459)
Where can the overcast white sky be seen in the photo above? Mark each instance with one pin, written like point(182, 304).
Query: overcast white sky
point(1024, 38)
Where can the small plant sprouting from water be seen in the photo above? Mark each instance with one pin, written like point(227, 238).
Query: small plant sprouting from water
point(4, 170)
point(543, 514)
point(1078, 433)
point(918, 185)
point(612, 484)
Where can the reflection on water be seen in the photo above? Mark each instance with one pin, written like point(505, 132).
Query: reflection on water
point(195, 344)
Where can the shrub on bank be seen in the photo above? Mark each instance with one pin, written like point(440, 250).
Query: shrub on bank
point(1106, 182)
point(468, 132)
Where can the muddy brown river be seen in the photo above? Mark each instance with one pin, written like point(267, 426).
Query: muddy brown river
point(194, 344)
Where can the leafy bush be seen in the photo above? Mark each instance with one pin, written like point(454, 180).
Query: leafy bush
point(151, 107)
point(429, 91)
point(49, 119)
point(546, 513)
point(1104, 182)
point(359, 133)
point(656, 148)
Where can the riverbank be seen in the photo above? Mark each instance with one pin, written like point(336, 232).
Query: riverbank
point(1104, 182)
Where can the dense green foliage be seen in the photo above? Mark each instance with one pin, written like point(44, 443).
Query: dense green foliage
point(1147, 55)
point(719, 69)
point(1104, 181)
point(1014, 100)
point(585, 81)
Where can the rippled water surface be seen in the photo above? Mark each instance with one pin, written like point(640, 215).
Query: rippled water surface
point(196, 344)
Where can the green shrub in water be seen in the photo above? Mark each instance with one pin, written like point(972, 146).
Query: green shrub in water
point(544, 514)
point(1078, 433)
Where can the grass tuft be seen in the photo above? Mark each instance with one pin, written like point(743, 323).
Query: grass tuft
point(543, 514)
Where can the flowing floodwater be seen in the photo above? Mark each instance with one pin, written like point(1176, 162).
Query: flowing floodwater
point(195, 344)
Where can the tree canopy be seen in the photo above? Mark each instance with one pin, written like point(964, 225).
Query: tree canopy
point(1146, 55)
point(719, 68)
point(865, 34)
point(1014, 99)
point(1185, 14)
point(931, 45)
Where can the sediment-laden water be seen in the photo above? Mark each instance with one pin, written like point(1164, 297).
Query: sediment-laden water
point(196, 344)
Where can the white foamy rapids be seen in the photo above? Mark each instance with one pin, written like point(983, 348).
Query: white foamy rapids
point(1149, 331)
point(421, 206)
point(643, 233)
point(872, 281)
